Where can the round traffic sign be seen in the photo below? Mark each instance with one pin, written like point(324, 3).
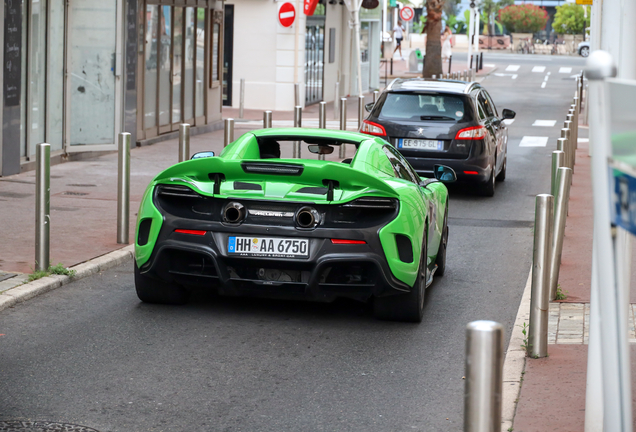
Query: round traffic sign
point(286, 14)
point(407, 13)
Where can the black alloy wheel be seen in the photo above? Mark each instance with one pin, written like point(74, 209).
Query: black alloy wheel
point(151, 290)
point(440, 260)
point(502, 174)
point(488, 188)
point(408, 307)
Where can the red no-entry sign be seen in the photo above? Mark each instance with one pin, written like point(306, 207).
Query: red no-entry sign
point(286, 14)
point(407, 13)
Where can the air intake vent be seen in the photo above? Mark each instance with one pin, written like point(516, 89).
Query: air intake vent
point(405, 248)
point(144, 232)
point(177, 191)
point(373, 203)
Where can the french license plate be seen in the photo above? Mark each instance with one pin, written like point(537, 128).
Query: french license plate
point(421, 144)
point(273, 247)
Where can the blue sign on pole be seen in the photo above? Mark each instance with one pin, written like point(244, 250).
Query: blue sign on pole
point(624, 201)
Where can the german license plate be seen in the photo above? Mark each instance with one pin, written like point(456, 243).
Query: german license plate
point(421, 144)
point(273, 247)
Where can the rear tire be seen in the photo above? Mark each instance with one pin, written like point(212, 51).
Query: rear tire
point(502, 174)
point(440, 260)
point(151, 290)
point(408, 307)
point(488, 188)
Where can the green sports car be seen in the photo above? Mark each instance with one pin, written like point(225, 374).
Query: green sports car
point(249, 222)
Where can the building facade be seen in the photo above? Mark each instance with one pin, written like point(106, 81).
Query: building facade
point(315, 52)
point(78, 72)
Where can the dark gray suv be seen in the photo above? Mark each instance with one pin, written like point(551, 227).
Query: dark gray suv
point(453, 123)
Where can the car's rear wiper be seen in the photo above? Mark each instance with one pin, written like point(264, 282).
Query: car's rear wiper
point(436, 118)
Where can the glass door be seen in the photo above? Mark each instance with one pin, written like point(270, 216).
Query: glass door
point(314, 56)
point(94, 67)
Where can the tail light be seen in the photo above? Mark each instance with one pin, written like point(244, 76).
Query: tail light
point(371, 128)
point(471, 133)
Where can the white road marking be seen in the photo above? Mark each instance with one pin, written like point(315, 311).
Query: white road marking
point(546, 77)
point(533, 141)
point(565, 70)
point(513, 68)
point(543, 84)
point(489, 65)
point(544, 123)
point(513, 76)
point(538, 69)
point(509, 121)
point(548, 73)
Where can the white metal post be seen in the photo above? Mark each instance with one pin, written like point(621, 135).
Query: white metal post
point(615, 374)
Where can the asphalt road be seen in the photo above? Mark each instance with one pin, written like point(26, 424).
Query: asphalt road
point(91, 354)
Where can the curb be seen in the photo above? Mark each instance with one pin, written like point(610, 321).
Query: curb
point(21, 293)
point(515, 362)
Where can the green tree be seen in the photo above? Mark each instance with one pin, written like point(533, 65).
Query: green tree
point(570, 19)
point(523, 18)
point(490, 9)
point(456, 25)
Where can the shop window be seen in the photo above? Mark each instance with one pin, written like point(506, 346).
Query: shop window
point(215, 72)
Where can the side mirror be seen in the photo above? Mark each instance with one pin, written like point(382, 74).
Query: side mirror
point(369, 107)
point(201, 155)
point(444, 174)
point(508, 113)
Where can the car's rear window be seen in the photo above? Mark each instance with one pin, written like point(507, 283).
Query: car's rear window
point(410, 106)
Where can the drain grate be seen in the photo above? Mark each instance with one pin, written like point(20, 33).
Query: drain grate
point(75, 193)
point(81, 185)
point(41, 426)
point(490, 223)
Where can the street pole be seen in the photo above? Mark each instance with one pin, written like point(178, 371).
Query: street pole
point(123, 188)
point(541, 255)
point(564, 179)
point(267, 119)
point(614, 347)
point(298, 122)
point(42, 206)
point(471, 33)
point(343, 125)
point(242, 98)
point(360, 110)
point(228, 132)
point(484, 376)
point(184, 142)
point(322, 121)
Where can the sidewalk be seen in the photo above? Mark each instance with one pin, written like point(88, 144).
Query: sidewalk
point(552, 396)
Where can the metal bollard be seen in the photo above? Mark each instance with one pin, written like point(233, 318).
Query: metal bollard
point(184, 142)
point(558, 160)
point(539, 301)
point(360, 110)
point(322, 115)
point(267, 119)
point(465, 75)
point(343, 125)
point(564, 179)
point(471, 61)
point(566, 133)
point(586, 105)
point(228, 134)
point(481, 60)
point(298, 122)
point(296, 94)
point(484, 376)
point(336, 99)
point(572, 117)
point(376, 94)
point(576, 122)
point(242, 98)
point(42, 206)
point(322, 121)
point(433, 77)
point(450, 62)
point(123, 188)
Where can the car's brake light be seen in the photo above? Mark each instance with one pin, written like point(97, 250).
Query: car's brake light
point(187, 231)
point(471, 133)
point(471, 172)
point(342, 241)
point(371, 128)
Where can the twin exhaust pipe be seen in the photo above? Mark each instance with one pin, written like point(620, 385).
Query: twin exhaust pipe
point(306, 217)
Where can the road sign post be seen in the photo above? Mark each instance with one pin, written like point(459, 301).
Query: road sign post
point(407, 13)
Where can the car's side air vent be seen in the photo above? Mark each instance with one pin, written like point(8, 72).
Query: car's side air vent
point(144, 231)
point(238, 185)
point(313, 190)
point(177, 191)
point(373, 203)
point(272, 168)
point(405, 248)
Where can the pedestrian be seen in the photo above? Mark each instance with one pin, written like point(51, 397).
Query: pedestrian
point(446, 44)
point(398, 34)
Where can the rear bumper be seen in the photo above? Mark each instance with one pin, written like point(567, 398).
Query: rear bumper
point(357, 271)
point(472, 170)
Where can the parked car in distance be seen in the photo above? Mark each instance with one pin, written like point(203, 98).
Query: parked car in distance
point(584, 49)
point(444, 122)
